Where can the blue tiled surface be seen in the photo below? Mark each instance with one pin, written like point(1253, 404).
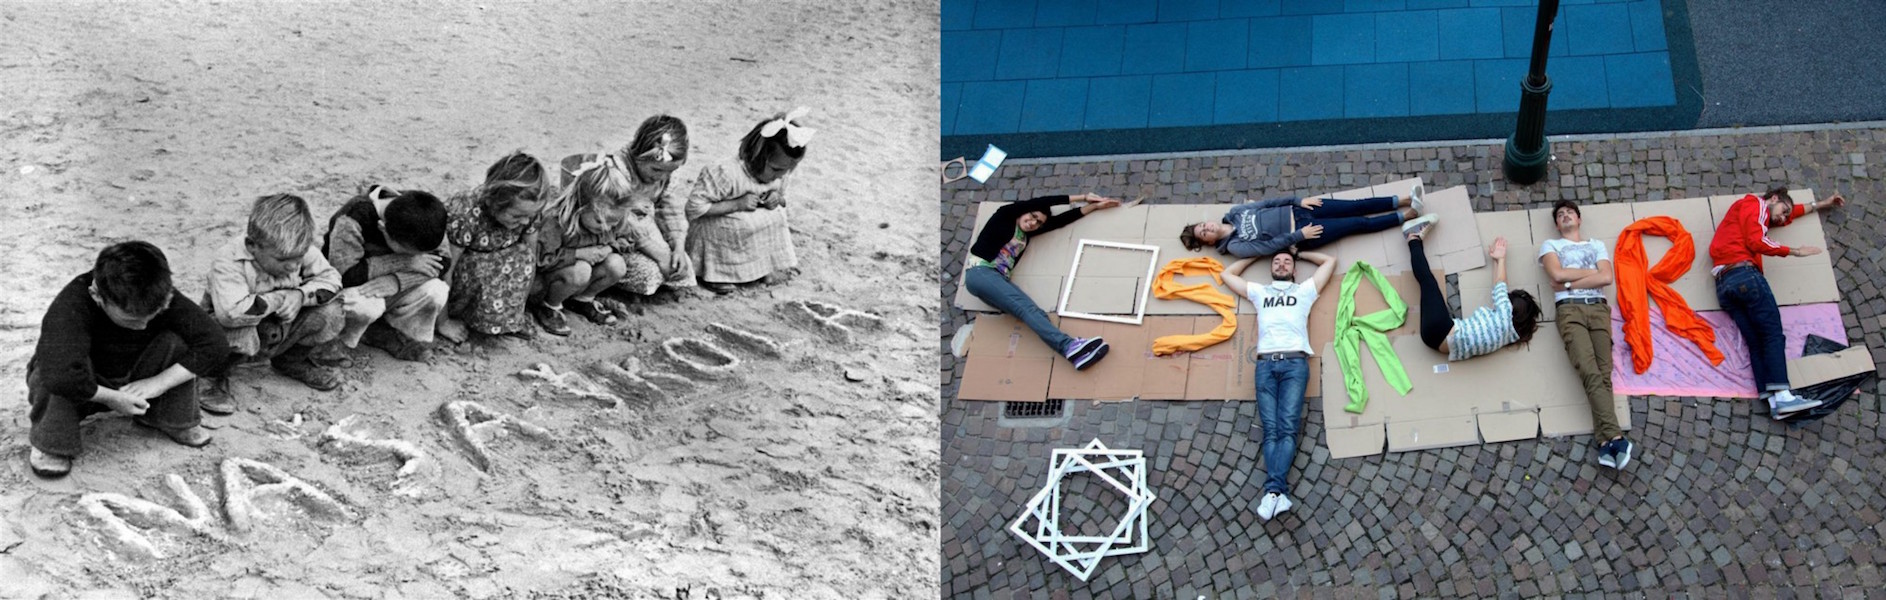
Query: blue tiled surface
point(1310, 93)
point(1092, 51)
point(1054, 105)
point(1118, 102)
point(1020, 66)
point(1246, 97)
point(1218, 45)
point(1182, 99)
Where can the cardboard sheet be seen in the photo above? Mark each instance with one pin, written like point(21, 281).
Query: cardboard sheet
point(1119, 376)
point(1223, 371)
point(1679, 368)
point(1351, 442)
point(1456, 240)
point(1822, 368)
point(1165, 375)
point(1105, 295)
point(1006, 361)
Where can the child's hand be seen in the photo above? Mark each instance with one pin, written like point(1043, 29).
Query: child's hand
point(290, 307)
point(133, 399)
point(428, 264)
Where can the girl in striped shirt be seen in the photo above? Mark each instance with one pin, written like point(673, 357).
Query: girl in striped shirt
point(1513, 317)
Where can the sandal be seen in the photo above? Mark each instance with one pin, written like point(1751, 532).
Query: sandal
point(50, 466)
point(551, 319)
point(589, 310)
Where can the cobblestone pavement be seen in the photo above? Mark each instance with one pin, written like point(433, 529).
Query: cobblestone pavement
point(1715, 501)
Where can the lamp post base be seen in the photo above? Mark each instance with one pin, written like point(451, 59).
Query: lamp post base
point(1522, 167)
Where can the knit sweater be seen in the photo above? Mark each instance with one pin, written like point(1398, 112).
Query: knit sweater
point(79, 344)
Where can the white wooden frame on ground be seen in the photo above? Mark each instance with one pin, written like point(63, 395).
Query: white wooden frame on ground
point(1139, 299)
point(1081, 555)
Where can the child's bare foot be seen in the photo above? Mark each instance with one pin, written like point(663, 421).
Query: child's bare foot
point(779, 277)
point(453, 330)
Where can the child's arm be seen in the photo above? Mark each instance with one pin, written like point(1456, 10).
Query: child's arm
point(208, 347)
point(713, 196)
point(1498, 254)
point(320, 281)
point(232, 303)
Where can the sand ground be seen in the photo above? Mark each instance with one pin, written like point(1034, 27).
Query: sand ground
point(810, 475)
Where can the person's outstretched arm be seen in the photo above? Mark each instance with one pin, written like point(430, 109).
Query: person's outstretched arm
point(1498, 254)
point(1325, 268)
point(1234, 277)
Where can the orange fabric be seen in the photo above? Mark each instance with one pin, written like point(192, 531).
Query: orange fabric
point(1634, 282)
point(1203, 293)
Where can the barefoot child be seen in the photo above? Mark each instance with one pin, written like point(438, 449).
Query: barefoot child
point(118, 338)
point(493, 230)
point(653, 234)
point(272, 293)
point(387, 245)
point(738, 224)
point(579, 254)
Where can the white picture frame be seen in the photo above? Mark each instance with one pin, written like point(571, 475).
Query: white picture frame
point(1139, 299)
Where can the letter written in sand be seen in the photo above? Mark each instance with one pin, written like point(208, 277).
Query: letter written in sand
point(123, 519)
point(347, 438)
point(473, 425)
point(836, 323)
point(245, 481)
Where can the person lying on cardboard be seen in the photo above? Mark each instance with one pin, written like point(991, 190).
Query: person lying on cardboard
point(1271, 226)
point(1000, 246)
point(1741, 241)
point(1283, 367)
point(1580, 268)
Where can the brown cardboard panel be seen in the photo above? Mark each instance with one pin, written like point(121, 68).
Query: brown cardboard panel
point(1563, 420)
point(1806, 282)
point(1323, 315)
point(1351, 442)
point(1684, 209)
point(1433, 433)
point(1719, 205)
point(1461, 260)
point(1507, 426)
point(1124, 225)
point(1600, 220)
point(1821, 368)
point(1370, 300)
point(1368, 247)
point(1045, 290)
point(1104, 295)
point(1515, 377)
point(1457, 229)
point(1006, 361)
point(1422, 401)
point(1050, 255)
point(1399, 188)
point(1006, 379)
point(1108, 261)
point(1223, 371)
point(1514, 225)
point(1163, 221)
point(1314, 387)
point(1522, 265)
point(1165, 375)
point(1118, 376)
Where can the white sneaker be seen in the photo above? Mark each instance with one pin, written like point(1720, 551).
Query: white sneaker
point(1419, 226)
point(1786, 403)
point(1414, 197)
point(1267, 506)
point(1283, 506)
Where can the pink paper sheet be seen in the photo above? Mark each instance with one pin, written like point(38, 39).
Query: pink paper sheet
point(1679, 368)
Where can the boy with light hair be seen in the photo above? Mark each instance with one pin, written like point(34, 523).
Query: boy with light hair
point(273, 293)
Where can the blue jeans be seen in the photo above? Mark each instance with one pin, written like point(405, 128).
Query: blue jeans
point(1280, 385)
point(1744, 294)
point(1341, 218)
point(996, 290)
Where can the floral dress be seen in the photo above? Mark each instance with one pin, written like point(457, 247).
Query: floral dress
point(494, 268)
point(742, 246)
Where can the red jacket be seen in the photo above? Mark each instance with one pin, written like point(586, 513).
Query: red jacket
point(1743, 234)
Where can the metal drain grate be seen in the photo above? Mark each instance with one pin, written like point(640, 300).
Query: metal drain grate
point(1050, 409)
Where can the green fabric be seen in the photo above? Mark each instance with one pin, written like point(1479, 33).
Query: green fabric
point(1371, 329)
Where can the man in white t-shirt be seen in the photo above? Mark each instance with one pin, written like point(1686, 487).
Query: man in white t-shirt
point(1581, 269)
point(1283, 369)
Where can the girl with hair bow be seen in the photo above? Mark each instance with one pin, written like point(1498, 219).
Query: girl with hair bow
point(738, 221)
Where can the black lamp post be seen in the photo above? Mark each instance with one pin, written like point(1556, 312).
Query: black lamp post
point(1527, 151)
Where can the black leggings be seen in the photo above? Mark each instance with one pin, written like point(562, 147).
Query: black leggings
point(1436, 321)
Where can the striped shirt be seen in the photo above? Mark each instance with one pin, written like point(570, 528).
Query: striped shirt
point(1487, 329)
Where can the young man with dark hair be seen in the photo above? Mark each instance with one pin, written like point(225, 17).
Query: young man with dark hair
point(1580, 269)
point(1283, 369)
point(118, 338)
point(1741, 241)
point(389, 248)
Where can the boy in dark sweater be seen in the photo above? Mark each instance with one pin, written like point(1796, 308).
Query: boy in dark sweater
point(1000, 245)
point(389, 248)
point(119, 338)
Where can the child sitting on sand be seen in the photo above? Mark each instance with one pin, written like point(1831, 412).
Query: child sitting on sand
point(272, 293)
point(493, 230)
point(579, 253)
point(738, 224)
point(387, 245)
point(655, 226)
point(118, 338)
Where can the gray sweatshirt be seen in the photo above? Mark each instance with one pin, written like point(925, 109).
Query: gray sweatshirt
point(1261, 228)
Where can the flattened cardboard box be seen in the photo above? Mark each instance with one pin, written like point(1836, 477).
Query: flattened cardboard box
point(1118, 376)
point(1223, 371)
point(1822, 368)
point(1006, 361)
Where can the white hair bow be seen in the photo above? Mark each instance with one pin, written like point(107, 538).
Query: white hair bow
point(796, 136)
